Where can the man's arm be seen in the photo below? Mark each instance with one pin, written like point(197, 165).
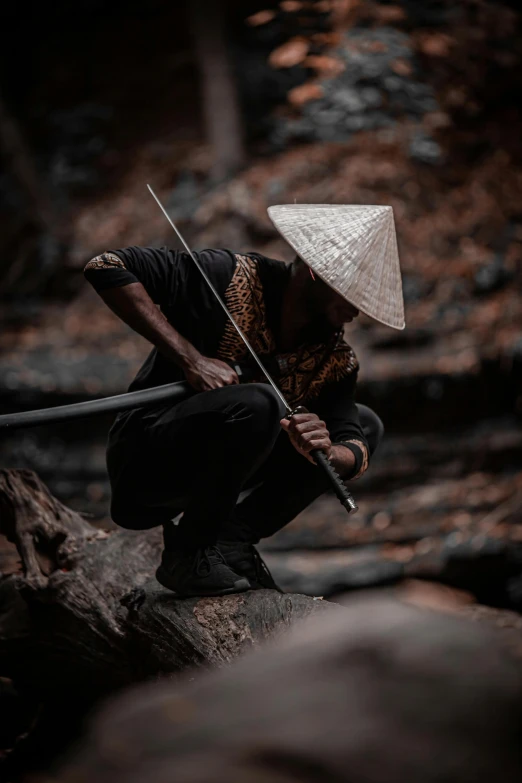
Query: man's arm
point(336, 404)
point(133, 305)
point(341, 436)
point(308, 432)
point(130, 300)
point(343, 460)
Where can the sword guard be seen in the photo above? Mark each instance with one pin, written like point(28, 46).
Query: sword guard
point(298, 409)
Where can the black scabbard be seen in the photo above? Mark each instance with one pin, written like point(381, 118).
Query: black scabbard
point(170, 392)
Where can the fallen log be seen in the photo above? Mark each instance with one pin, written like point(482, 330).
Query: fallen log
point(382, 692)
point(86, 618)
point(87, 614)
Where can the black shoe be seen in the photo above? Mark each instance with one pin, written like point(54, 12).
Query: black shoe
point(244, 559)
point(201, 572)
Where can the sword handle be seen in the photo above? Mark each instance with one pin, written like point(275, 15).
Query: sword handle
point(338, 485)
point(336, 482)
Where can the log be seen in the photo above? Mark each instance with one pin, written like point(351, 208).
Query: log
point(87, 614)
point(85, 618)
point(379, 692)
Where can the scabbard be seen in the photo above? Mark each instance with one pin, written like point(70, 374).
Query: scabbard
point(170, 392)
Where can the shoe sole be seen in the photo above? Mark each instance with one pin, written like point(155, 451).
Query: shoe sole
point(241, 586)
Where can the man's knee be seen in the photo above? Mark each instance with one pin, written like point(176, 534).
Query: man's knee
point(264, 403)
point(372, 425)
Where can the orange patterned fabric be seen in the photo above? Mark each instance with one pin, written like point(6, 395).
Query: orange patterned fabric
point(304, 372)
point(364, 464)
point(105, 261)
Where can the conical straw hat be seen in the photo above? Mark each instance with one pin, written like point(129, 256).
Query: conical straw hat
point(352, 248)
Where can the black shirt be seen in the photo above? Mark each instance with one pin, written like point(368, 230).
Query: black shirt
point(321, 375)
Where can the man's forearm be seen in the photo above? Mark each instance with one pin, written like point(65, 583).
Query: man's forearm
point(343, 460)
point(134, 306)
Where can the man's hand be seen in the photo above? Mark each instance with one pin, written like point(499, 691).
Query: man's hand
point(307, 432)
point(204, 374)
point(134, 306)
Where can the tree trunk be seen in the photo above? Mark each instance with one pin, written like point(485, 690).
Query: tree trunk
point(88, 616)
point(18, 161)
point(25, 232)
point(374, 691)
point(222, 112)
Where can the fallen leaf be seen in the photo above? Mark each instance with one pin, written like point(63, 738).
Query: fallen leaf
point(262, 17)
point(304, 93)
point(289, 54)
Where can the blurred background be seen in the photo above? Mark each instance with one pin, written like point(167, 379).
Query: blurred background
point(227, 107)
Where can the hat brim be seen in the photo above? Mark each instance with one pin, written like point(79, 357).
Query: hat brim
point(361, 308)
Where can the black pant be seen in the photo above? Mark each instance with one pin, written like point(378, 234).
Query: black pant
point(197, 457)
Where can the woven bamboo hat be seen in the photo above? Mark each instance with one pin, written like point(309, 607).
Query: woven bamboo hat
point(353, 249)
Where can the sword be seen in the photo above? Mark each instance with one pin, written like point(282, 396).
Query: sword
point(317, 455)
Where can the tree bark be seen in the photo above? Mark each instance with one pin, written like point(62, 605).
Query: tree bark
point(374, 691)
point(87, 616)
point(222, 112)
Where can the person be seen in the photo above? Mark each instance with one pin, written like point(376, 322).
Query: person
point(202, 455)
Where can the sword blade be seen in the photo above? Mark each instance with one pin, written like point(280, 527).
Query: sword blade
point(223, 305)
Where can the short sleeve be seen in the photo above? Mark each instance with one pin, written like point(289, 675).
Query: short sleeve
point(156, 269)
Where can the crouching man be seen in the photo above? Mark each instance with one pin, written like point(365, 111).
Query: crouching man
point(198, 456)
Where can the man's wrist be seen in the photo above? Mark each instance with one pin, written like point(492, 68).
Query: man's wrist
point(343, 460)
point(185, 356)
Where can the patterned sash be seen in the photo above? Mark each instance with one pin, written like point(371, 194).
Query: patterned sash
point(302, 373)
